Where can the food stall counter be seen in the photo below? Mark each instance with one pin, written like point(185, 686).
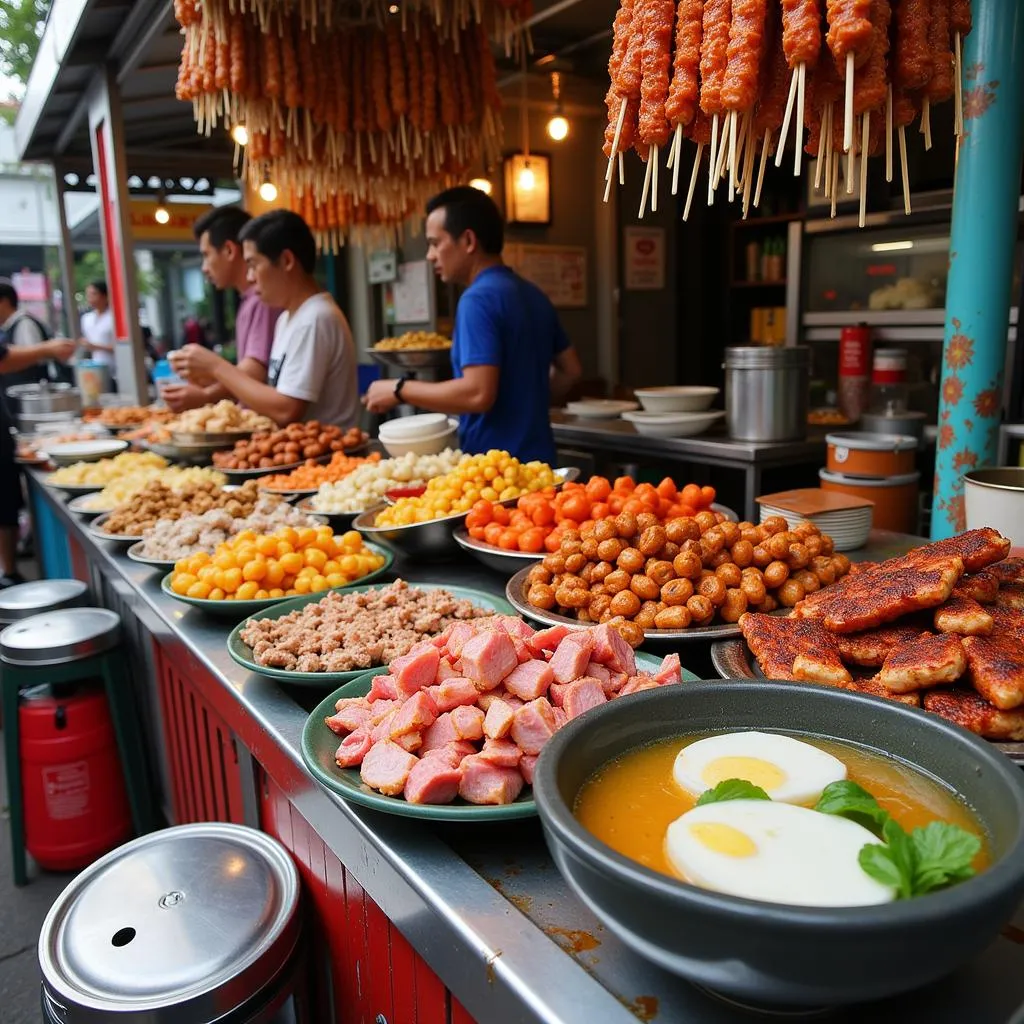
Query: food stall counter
point(409, 906)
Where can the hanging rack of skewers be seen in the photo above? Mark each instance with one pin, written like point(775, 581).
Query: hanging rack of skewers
point(748, 80)
point(357, 110)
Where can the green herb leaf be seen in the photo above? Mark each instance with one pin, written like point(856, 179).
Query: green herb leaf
point(848, 800)
point(943, 855)
point(732, 789)
point(877, 861)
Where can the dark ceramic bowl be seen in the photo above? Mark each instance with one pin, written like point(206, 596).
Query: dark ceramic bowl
point(767, 953)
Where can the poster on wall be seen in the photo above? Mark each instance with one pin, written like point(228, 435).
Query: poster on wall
point(412, 293)
point(560, 271)
point(644, 259)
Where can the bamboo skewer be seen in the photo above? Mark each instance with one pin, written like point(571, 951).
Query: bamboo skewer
point(903, 168)
point(784, 131)
point(848, 116)
point(676, 158)
point(888, 133)
point(647, 185)
point(732, 154)
point(926, 122)
point(801, 87)
point(714, 159)
point(765, 143)
point(693, 180)
point(864, 145)
point(653, 159)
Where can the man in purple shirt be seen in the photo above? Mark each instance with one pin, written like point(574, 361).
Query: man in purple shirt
point(224, 266)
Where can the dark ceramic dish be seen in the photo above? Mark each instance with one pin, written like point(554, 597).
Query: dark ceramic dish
point(773, 954)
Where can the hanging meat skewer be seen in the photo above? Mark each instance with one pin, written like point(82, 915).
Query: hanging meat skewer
point(684, 90)
point(623, 99)
point(655, 61)
point(849, 38)
point(940, 85)
point(714, 49)
point(960, 24)
point(871, 89)
point(801, 42)
point(771, 109)
point(742, 71)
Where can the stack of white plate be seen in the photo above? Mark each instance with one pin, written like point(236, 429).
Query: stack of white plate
point(672, 424)
point(426, 434)
point(848, 528)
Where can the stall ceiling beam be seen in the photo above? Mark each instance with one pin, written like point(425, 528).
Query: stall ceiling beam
point(550, 12)
point(73, 123)
point(146, 21)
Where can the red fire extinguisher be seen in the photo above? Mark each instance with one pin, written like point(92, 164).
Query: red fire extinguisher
point(76, 805)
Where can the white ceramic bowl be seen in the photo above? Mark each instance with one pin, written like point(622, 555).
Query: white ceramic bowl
point(680, 424)
point(995, 497)
point(85, 451)
point(676, 398)
point(413, 428)
point(599, 408)
point(447, 437)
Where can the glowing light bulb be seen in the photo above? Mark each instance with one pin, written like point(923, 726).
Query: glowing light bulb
point(240, 134)
point(558, 127)
point(483, 184)
point(268, 191)
point(527, 180)
point(161, 216)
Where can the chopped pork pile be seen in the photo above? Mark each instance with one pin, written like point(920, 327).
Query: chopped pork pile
point(467, 713)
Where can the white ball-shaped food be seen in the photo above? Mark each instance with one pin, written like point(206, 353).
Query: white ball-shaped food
point(779, 853)
point(786, 769)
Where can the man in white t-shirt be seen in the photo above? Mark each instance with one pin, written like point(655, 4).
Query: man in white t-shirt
point(98, 325)
point(312, 371)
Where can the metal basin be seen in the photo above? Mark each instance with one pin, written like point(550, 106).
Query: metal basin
point(772, 954)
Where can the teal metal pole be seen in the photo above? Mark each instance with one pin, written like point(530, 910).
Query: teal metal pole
point(981, 254)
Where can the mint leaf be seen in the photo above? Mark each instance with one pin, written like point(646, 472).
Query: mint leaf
point(877, 861)
point(848, 800)
point(732, 789)
point(943, 855)
point(903, 855)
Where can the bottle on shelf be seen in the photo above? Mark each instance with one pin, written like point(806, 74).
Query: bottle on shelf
point(888, 382)
point(854, 359)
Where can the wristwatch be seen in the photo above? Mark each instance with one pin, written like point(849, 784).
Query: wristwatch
point(399, 384)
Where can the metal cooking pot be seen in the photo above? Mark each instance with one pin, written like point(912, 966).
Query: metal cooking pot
point(44, 398)
point(766, 393)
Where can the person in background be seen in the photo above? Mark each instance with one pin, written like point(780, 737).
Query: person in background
point(15, 357)
point(98, 326)
point(510, 355)
point(224, 266)
point(312, 371)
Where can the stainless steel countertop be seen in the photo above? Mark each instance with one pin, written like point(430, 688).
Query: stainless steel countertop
point(715, 447)
point(484, 905)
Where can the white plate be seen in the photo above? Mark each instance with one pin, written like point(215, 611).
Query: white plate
point(85, 451)
point(79, 505)
point(599, 408)
point(676, 398)
point(680, 424)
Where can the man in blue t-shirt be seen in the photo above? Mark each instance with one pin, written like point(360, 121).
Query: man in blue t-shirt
point(510, 354)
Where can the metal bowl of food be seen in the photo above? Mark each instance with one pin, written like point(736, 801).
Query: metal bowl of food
point(427, 540)
point(764, 950)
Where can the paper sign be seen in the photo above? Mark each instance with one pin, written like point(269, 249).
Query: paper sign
point(560, 271)
point(644, 259)
point(411, 293)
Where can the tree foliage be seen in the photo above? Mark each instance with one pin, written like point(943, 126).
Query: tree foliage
point(21, 25)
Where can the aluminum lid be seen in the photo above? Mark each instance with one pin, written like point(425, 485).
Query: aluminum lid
point(56, 637)
point(25, 599)
point(863, 441)
point(750, 357)
point(185, 924)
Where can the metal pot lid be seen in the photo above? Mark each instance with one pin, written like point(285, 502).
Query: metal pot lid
point(868, 481)
point(55, 637)
point(183, 924)
point(763, 357)
point(44, 387)
point(25, 599)
point(864, 441)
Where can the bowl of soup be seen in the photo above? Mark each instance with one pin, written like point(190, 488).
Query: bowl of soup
point(722, 831)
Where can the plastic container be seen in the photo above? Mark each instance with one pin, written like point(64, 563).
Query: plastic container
point(76, 806)
point(995, 497)
point(164, 375)
point(888, 382)
point(895, 497)
point(871, 455)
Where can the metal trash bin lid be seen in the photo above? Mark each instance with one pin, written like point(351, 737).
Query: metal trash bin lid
point(182, 925)
point(25, 599)
point(55, 638)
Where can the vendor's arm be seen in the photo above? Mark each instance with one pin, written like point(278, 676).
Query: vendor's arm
point(475, 391)
point(21, 357)
point(565, 371)
point(191, 396)
point(203, 367)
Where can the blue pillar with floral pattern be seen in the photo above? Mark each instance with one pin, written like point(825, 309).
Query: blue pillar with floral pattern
point(981, 255)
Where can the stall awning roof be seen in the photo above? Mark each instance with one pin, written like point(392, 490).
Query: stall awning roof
point(140, 42)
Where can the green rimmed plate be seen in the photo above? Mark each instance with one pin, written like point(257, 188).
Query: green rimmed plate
point(242, 652)
point(244, 609)
point(319, 745)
